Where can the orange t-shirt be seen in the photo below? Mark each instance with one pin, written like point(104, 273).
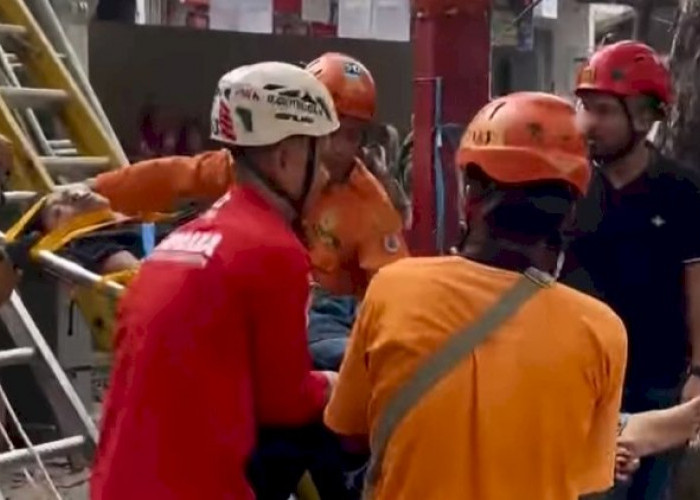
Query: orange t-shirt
point(532, 413)
point(352, 231)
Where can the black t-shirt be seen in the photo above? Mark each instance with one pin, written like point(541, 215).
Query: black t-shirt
point(629, 248)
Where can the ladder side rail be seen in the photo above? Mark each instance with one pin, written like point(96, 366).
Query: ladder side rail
point(46, 16)
point(28, 171)
point(42, 142)
point(71, 415)
point(43, 62)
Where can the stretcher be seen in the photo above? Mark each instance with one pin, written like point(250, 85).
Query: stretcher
point(95, 295)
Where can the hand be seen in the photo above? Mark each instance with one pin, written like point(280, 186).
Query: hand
point(88, 184)
point(626, 463)
point(18, 252)
point(332, 378)
point(691, 389)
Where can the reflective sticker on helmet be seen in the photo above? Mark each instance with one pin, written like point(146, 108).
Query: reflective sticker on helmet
point(353, 70)
point(392, 243)
point(587, 76)
point(486, 137)
point(224, 124)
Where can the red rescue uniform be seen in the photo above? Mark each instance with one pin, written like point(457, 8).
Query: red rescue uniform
point(210, 345)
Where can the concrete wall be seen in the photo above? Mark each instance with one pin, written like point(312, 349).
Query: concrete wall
point(529, 70)
point(178, 68)
point(572, 39)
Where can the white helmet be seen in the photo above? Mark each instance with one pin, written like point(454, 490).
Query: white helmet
point(265, 103)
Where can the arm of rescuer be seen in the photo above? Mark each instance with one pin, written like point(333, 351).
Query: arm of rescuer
point(158, 185)
point(607, 377)
point(287, 392)
point(347, 410)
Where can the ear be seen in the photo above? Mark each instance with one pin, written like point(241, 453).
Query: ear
point(280, 155)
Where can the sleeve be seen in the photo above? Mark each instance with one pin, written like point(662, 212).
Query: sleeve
point(599, 461)
point(347, 411)
point(287, 392)
point(382, 242)
point(691, 235)
point(158, 185)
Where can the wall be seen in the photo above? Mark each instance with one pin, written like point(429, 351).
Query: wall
point(73, 16)
point(572, 37)
point(178, 68)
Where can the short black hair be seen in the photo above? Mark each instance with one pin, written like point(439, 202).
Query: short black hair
point(528, 212)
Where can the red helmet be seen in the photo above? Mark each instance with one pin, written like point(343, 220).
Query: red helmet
point(626, 69)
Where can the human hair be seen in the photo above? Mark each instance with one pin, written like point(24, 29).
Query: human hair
point(527, 213)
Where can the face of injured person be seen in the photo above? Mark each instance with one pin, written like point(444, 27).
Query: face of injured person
point(66, 204)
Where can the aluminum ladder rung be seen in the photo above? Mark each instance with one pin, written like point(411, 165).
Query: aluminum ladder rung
point(19, 196)
point(63, 147)
point(32, 98)
point(16, 64)
point(60, 143)
point(8, 30)
point(66, 153)
point(16, 356)
point(64, 165)
point(23, 456)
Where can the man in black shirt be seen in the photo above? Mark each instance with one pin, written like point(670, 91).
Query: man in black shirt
point(637, 236)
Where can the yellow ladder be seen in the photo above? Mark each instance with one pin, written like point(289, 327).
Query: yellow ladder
point(56, 131)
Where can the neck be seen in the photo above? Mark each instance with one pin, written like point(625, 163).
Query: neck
point(340, 175)
point(625, 170)
point(285, 209)
point(506, 254)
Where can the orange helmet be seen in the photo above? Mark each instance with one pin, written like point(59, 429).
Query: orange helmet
point(527, 137)
point(349, 82)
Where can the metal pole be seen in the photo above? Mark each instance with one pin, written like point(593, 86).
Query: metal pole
point(76, 274)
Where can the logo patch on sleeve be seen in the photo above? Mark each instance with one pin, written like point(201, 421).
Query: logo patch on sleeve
point(392, 243)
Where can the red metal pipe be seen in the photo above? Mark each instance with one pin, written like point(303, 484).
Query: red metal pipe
point(451, 41)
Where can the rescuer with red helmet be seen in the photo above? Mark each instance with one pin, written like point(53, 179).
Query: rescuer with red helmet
point(636, 240)
point(545, 383)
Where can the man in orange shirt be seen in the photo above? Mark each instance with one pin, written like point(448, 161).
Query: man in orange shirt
point(351, 232)
point(531, 412)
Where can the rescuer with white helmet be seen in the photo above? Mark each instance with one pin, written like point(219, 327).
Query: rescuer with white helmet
point(211, 335)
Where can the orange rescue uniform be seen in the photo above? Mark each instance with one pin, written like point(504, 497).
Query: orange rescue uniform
point(352, 231)
point(532, 413)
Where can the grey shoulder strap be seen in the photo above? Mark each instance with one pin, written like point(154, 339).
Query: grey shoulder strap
point(442, 362)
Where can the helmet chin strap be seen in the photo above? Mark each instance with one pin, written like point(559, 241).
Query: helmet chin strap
point(297, 203)
point(635, 137)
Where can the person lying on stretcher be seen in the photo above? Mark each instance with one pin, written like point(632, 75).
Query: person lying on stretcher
point(88, 231)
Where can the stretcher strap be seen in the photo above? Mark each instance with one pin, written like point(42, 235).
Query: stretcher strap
point(440, 364)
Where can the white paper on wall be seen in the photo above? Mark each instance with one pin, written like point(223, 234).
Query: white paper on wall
point(316, 11)
point(355, 18)
point(391, 20)
point(253, 16)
